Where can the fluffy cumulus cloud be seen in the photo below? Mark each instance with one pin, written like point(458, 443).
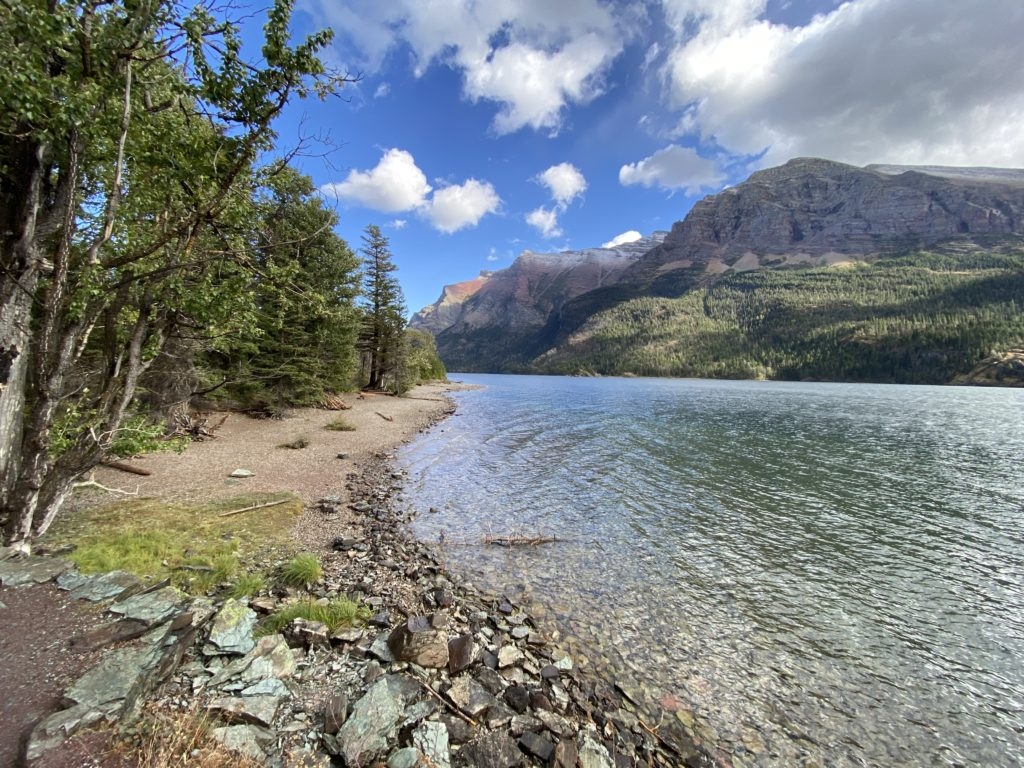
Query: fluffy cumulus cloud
point(870, 81)
point(626, 237)
point(671, 168)
point(396, 184)
point(545, 221)
point(564, 181)
point(461, 205)
point(533, 58)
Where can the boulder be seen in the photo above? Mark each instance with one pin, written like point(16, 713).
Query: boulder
point(419, 642)
point(493, 750)
point(373, 722)
point(231, 632)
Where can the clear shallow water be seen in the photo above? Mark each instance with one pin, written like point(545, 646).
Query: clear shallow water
point(813, 574)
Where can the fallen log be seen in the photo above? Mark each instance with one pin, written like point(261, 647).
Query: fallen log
point(127, 468)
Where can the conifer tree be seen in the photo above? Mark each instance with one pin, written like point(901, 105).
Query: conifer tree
point(382, 339)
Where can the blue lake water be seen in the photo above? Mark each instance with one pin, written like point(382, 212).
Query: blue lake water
point(804, 574)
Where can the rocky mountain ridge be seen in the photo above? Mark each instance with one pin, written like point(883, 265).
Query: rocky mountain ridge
point(808, 212)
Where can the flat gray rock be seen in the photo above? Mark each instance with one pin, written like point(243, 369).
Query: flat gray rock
point(105, 586)
point(232, 629)
point(431, 738)
point(242, 738)
point(23, 570)
point(151, 607)
point(374, 719)
point(270, 658)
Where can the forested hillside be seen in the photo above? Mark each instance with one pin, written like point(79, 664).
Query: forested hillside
point(919, 318)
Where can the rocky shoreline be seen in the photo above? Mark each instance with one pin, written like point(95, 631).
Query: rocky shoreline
point(442, 675)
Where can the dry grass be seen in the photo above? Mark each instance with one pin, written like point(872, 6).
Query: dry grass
point(165, 738)
point(340, 424)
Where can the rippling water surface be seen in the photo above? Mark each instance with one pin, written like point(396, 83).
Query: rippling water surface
point(813, 574)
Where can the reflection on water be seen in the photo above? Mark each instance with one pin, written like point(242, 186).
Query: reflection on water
point(823, 574)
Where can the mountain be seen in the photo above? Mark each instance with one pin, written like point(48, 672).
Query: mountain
point(813, 269)
point(502, 319)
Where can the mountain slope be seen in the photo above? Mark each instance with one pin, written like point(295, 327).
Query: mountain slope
point(812, 269)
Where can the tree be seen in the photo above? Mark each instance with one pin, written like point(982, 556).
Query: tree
point(381, 339)
point(127, 136)
point(302, 342)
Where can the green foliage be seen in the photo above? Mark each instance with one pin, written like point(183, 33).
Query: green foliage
point(921, 318)
point(302, 571)
point(381, 337)
point(336, 613)
point(247, 584)
point(137, 435)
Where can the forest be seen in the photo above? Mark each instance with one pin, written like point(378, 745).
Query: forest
point(922, 317)
point(158, 249)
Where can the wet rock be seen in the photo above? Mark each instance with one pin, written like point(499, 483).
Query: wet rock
point(517, 697)
point(538, 745)
point(563, 662)
point(520, 633)
point(431, 738)
point(21, 570)
point(232, 628)
point(335, 712)
point(419, 642)
point(461, 651)
point(493, 750)
point(372, 724)
point(245, 739)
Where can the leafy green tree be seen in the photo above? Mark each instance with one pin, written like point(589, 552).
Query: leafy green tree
point(128, 131)
point(381, 340)
point(302, 342)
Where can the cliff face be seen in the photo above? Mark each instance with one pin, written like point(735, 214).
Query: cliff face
point(812, 211)
point(808, 212)
point(500, 318)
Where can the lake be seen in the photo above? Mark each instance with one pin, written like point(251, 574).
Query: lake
point(803, 573)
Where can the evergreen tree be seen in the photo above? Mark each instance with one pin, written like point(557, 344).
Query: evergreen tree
point(381, 340)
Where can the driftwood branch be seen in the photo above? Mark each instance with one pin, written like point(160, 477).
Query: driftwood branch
point(90, 483)
point(386, 418)
point(127, 468)
point(520, 541)
point(454, 709)
point(252, 507)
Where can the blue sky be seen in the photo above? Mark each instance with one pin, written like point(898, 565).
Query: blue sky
point(482, 128)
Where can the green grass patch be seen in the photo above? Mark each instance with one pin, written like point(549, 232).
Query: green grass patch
point(192, 544)
point(247, 584)
point(340, 424)
point(302, 571)
point(336, 613)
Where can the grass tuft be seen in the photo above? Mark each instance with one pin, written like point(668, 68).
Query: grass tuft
point(296, 444)
point(247, 584)
point(340, 424)
point(302, 571)
point(337, 613)
point(191, 544)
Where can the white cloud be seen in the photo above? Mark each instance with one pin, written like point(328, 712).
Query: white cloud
point(533, 58)
point(545, 220)
point(673, 167)
point(871, 81)
point(395, 184)
point(397, 224)
point(382, 90)
point(626, 237)
point(564, 181)
point(493, 255)
point(461, 205)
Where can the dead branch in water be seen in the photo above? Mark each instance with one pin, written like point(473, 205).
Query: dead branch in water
point(520, 541)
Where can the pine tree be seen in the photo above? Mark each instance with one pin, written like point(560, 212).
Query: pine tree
point(382, 338)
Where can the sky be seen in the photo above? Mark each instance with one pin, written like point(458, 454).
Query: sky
point(482, 128)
